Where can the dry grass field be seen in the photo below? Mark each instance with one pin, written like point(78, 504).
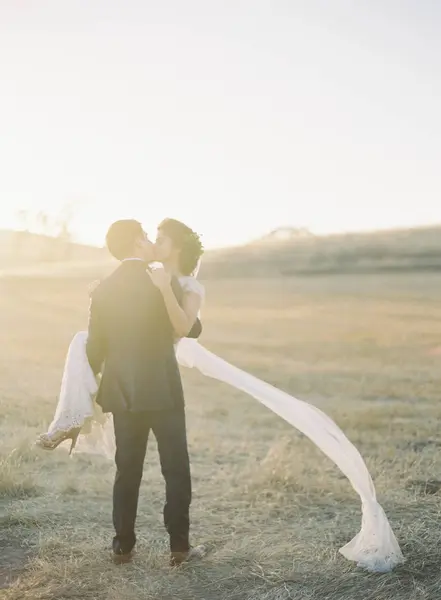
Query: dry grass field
point(273, 508)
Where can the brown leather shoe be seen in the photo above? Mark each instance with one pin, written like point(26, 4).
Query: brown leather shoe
point(195, 553)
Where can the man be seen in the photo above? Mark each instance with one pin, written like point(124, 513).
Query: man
point(131, 342)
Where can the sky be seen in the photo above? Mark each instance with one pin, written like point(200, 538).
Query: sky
point(236, 116)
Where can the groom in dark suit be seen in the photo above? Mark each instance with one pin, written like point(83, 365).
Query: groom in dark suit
point(131, 342)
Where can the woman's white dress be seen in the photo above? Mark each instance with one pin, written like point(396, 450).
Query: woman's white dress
point(374, 548)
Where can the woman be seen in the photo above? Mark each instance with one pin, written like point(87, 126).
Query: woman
point(179, 249)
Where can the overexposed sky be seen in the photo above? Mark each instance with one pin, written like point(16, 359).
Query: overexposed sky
point(236, 116)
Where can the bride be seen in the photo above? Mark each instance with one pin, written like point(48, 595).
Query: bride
point(78, 418)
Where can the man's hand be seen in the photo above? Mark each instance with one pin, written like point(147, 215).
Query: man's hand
point(160, 278)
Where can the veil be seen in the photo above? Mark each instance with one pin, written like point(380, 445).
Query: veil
point(375, 547)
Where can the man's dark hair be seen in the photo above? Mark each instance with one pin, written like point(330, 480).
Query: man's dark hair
point(122, 236)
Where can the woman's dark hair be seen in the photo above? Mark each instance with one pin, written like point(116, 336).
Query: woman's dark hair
point(187, 241)
point(122, 236)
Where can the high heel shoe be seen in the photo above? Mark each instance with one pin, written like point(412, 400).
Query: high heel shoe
point(47, 442)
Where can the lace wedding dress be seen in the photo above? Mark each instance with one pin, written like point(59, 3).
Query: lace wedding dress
point(374, 548)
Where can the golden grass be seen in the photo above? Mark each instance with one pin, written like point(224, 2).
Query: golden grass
point(273, 508)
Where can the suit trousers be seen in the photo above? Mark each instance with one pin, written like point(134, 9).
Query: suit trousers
point(131, 434)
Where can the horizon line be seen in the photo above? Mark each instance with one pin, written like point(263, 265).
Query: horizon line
point(75, 239)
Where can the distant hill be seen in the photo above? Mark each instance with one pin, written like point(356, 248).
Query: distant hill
point(283, 252)
point(301, 253)
point(285, 234)
point(21, 248)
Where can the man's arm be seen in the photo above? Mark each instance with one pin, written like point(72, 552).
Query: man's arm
point(95, 346)
point(196, 329)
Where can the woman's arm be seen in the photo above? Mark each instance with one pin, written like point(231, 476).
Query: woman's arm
point(182, 317)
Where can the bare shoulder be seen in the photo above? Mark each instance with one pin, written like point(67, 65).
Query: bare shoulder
point(192, 285)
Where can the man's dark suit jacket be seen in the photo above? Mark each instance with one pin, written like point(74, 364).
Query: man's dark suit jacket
point(131, 342)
